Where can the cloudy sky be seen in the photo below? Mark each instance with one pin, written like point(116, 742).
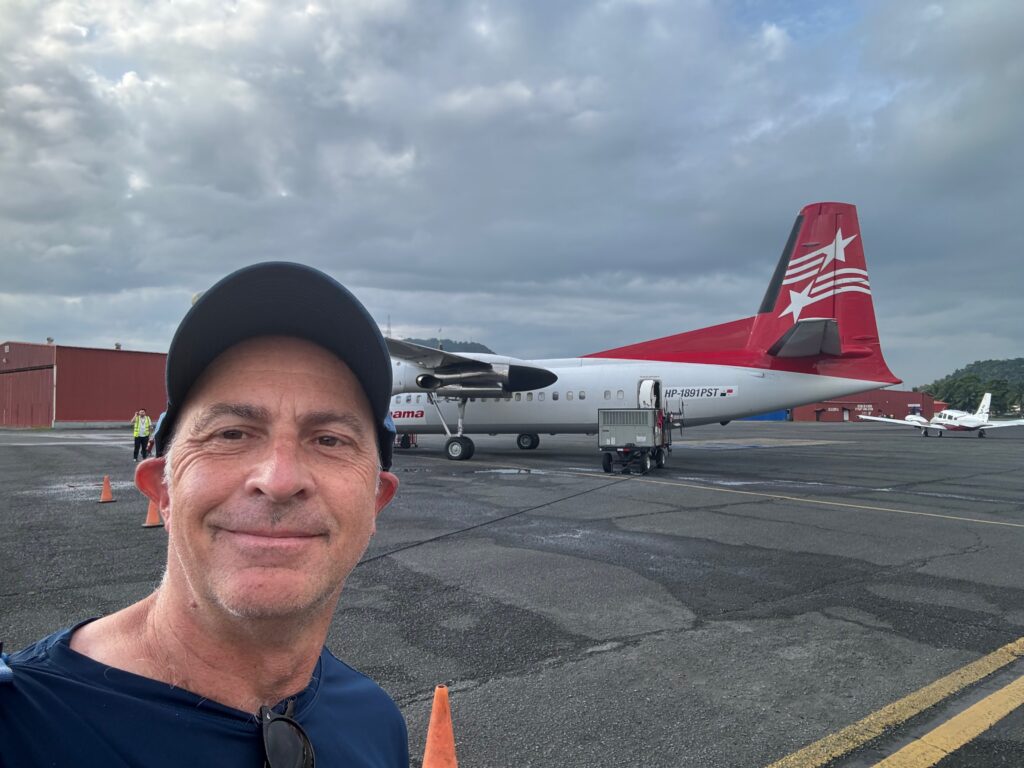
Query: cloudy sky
point(548, 178)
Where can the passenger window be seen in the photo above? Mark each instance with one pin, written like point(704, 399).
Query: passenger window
point(619, 395)
point(398, 399)
point(408, 398)
point(568, 395)
point(583, 395)
point(519, 396)
point(607, 394)
point(529, 397)
point(554, 395)
point(540, 395)
point(418, 398)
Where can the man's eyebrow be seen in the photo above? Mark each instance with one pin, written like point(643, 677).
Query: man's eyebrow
point(239, 410)
point(321, 418)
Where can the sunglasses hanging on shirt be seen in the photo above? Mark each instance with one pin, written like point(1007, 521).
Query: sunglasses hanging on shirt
point(285, 744)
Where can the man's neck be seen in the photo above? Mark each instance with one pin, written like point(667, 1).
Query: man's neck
point(236, 662)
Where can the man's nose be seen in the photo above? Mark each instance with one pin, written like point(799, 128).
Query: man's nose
point(281, 473)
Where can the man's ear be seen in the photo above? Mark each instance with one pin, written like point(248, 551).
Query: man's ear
point(149, 478)
point(387, 485)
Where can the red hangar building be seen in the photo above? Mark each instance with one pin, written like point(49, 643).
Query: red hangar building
point(49, 385)
point(878, 402)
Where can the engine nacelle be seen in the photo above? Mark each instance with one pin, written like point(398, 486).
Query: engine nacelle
point(496, 374)
point(499, 377)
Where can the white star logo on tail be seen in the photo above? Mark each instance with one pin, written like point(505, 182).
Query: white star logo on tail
point(822, 284)
point(797, 301)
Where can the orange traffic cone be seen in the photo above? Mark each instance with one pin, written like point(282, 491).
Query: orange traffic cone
point(440, 749)
point(152, 516)
point(105, 494)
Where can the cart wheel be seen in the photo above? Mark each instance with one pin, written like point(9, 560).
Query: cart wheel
point(606, 461)
point(645, 464)
point(659, 458)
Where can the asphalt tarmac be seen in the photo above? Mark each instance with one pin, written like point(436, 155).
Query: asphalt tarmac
point(772, 586)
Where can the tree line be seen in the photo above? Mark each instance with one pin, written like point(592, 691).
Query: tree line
point(963, 389)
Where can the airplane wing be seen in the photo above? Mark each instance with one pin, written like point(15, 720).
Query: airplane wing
point(901, 422)
point(998, 424)
point(477, 374)
point(428, 357)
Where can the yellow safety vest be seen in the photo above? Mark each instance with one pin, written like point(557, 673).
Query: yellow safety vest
point(145, 424)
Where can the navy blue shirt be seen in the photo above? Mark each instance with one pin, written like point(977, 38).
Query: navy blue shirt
point(61, 708)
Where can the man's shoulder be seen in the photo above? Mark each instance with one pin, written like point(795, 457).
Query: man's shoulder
point(40, 651)
point(338, 676)
point(374, 731)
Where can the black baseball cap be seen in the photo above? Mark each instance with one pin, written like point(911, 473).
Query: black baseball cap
point(278, 298)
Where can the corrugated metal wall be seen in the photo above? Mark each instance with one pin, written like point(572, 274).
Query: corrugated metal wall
point(26, 398)
point(26, 384)
point(96, 385)
point(17, 354)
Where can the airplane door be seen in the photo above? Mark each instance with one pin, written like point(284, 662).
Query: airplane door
point(649, 394)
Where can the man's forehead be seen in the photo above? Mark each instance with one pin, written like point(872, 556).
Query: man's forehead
point(240, 366)
point(274, 351)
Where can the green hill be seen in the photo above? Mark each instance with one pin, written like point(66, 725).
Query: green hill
point(451, 346)
point(964, 387)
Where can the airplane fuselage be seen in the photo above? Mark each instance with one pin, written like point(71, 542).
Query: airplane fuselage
point(694, 394)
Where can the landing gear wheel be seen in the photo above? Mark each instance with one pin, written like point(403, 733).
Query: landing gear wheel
point(939, 433)
point(659, 458)
point(404, 442)
point(606, 461)
point(645, 464)
point(924, 433)
point(981, 433)
point(459, 448)
point(527, 442)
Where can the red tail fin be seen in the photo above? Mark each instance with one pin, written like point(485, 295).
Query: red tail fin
point(816, 317)
point(822, 274)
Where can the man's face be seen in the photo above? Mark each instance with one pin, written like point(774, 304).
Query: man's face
point(274, 489)
point(142, 412)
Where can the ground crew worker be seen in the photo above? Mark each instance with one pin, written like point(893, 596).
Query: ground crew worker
point(142, 425)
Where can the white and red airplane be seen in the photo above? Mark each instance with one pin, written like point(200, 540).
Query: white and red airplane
point(814, 338)
point(951, 420)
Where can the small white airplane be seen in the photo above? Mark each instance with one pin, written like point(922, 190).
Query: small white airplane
point(951, 420)
point(814, 338)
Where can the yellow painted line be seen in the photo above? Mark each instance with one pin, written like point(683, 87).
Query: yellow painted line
point(800, 499)
point(954, 733)
point(874, 725)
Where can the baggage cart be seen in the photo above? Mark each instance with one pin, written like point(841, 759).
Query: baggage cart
point(633, 439)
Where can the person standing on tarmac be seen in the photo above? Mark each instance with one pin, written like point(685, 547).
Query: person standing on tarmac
point(142, 425)
point(156, 428)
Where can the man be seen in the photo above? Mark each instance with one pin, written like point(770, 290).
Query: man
point(141, 427)
point(270, 471)
point(152, 437)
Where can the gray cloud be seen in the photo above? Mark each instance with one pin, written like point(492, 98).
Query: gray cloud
point(548, 178)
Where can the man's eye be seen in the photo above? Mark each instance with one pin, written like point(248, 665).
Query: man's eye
point(328, 441)
point(232, 434)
